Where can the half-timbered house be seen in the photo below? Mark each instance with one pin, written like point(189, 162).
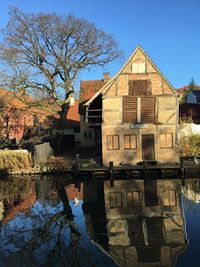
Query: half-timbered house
point(137, 114)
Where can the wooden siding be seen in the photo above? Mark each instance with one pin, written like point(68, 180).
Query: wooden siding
point(139, 87)
point(148, 109)
point(130, 109)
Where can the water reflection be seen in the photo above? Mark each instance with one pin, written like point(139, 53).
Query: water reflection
point(54, 222)
point(145, 222)
point(48, 233)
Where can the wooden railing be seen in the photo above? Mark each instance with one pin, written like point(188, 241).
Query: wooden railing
point(93, 116)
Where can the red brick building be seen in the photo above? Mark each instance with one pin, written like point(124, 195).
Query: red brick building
point(16, 116)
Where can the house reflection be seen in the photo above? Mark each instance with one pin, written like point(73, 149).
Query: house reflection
point(191, 190)
point(145, 222)
point(139, 222)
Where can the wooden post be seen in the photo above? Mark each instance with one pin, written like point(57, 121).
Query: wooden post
point(86, 115)
point(111, 171)
point(144, 168)
point(182, 170)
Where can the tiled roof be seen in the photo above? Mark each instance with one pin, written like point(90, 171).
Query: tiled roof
point(186, 88)
point(89, 88)
point(14, 102)
point(25, 116)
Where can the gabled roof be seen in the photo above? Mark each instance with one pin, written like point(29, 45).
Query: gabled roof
point(138, 48)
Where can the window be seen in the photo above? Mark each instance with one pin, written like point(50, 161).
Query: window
point(130, 141)
point(112, 142)
point(139, 67)
point(133, 199)
point(148, 109)
point(115, 199)
point(166, 140)
point(139, 87)
point(169, 198)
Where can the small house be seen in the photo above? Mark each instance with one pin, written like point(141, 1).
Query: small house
point(193, 97)
point(134, 115)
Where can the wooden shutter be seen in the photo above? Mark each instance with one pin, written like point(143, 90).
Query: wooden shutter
point(126, 142)
point(162, 141)
point(133, 199)
point(139, 87)
point(115, 142)
point(115, 199)
point(166, 140)
point(133, 141)
point(109, 142)
point(130, 109)
point(148, 109)
point(139, 67)
point(112, 142)
point(169, 140)
point(130, 141)
point(169, 198)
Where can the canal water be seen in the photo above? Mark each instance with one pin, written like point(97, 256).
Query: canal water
point(50, 221)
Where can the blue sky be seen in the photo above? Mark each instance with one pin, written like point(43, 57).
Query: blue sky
point(168, 30)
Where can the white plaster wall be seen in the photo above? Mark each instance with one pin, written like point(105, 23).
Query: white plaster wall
point(187, 129)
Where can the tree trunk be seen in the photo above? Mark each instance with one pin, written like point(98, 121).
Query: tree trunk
point(62, 124)
point(7, 128)
point(63, 115)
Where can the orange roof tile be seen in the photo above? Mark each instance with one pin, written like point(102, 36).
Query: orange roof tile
point(185, 88)
point(89, 88)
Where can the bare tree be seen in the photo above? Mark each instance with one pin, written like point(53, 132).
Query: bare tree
point(9, 116)
point(44, 53)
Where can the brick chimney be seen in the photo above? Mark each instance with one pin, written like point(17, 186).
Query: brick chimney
point(106, 76)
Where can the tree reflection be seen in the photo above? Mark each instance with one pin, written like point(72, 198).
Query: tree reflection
point(49, 234)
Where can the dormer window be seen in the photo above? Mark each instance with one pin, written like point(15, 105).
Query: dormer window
point(138, 67)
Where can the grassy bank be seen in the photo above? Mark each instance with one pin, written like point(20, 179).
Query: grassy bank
point(15, 160)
